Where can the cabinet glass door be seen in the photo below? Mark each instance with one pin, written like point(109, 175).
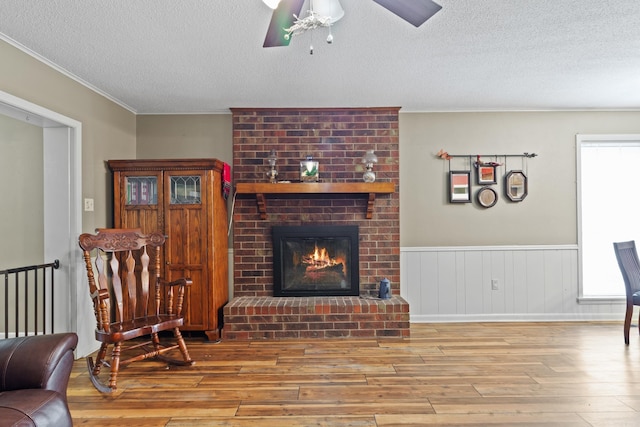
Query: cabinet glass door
point(141, 190)
point(185, 190)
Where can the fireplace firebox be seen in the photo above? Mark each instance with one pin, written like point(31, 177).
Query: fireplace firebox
point(315, 261)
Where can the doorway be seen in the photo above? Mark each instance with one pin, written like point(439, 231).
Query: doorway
point(62, 172)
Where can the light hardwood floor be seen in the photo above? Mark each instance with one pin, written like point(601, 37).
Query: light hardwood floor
point(464, 374)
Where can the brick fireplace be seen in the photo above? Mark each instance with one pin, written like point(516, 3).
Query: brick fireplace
point(315, 260)
point(337, 138)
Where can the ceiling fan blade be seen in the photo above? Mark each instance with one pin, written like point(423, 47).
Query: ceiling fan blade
point(415, 12)
point(282, 18)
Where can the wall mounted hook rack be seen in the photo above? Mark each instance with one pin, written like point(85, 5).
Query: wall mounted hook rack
point(446, 156)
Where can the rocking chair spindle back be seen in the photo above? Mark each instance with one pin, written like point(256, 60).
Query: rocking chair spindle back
point(127, 264)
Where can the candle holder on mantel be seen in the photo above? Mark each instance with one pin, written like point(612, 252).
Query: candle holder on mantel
point(369, 159)
point(272, 173)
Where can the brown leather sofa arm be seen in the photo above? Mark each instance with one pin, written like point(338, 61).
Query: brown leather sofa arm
point(37, 362)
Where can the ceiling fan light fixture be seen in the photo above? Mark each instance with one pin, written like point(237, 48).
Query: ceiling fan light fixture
point(286, 20)
point(321, 13)
point(273, 4)
point(331, 8)
point(308, 23)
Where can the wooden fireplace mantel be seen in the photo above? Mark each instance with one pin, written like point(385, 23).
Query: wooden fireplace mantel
point(262, 190)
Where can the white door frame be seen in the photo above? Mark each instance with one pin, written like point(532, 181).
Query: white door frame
point(62, 139)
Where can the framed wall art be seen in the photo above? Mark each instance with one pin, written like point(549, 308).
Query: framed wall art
point(459, 186)
point(486, 174)
point(516, 186)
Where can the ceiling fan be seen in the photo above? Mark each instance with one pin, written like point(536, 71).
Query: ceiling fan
point(285, 20)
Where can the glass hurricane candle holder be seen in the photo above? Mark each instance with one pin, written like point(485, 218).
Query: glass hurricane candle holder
point(369, 159)
point(272, 173)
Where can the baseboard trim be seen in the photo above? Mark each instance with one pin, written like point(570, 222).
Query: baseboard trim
point(516, 317)
point(568, 247)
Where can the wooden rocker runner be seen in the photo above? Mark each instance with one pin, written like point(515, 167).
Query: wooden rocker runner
point(125, 307)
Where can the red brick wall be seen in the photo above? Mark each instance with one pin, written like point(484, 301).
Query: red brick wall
point(337, 138)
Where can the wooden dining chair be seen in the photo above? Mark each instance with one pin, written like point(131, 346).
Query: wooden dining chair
point(629, 264)
point(131, 302)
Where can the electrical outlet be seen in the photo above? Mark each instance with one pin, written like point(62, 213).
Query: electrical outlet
point(494, 284)
point(88, 205)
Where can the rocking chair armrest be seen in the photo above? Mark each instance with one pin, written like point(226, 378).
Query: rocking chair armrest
point(182, 282)
point(101, 294)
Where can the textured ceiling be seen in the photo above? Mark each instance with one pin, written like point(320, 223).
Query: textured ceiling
point(205, 56)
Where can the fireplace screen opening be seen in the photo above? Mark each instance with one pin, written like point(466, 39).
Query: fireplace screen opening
point(315, 261)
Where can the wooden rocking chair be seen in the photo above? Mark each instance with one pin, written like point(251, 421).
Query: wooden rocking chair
point(122, 304)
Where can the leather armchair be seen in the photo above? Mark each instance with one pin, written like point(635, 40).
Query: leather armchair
point(34, 374)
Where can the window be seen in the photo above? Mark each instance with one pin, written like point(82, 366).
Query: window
point(608, 208)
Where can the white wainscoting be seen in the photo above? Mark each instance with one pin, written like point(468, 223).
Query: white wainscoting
point(535, 283)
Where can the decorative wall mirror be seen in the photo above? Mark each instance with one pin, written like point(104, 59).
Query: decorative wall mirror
point(487, 197)
point(515, 185)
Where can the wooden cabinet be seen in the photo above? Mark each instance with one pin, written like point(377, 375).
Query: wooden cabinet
point(184, 199)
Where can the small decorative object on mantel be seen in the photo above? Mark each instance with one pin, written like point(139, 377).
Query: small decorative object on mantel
point(385, 289)
point(272, 173)
point(309, 171)
point(369, 159)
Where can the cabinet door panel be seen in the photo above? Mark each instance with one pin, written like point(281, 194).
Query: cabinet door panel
point(195, 308)
point(186, 248)
point(140, 200)
point(146, 219)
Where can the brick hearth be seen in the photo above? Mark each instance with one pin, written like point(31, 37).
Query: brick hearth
point(337, 138)
point(315, 317)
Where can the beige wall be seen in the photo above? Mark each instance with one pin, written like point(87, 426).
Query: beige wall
point(546, 216)
point(21, 207)
point(185, 136)
point(108, 130)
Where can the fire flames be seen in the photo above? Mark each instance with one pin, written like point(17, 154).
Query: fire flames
point(319, 259)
